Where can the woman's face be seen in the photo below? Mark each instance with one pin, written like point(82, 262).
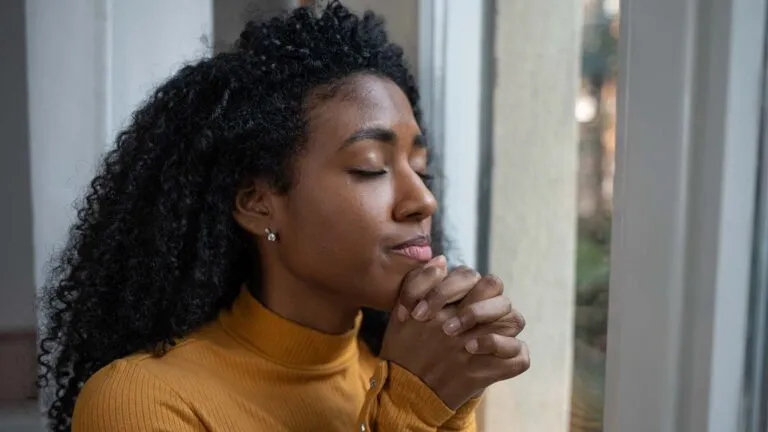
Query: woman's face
point(359, 215)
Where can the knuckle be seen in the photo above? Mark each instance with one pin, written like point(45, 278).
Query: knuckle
point(518, 364)
point(516, 348)
point(494, 340)
point(416, 282)
point(466, 271)
point(512, 372)
point(409, 297)
point(525, 363)
point(507, 307)
point(489, 343)
point(469, 316)
point(518, 320)
point(462, 269)
point(445, 314)
point(409, 282)
point(525, 357)
point(507, 330)
point(494, 284)
point(408, 279)
point(433, 271)
point(437, 297)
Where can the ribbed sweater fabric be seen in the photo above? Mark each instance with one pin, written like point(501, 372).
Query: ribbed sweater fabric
point(253, 370)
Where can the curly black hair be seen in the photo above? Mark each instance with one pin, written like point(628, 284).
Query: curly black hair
point(155, 252)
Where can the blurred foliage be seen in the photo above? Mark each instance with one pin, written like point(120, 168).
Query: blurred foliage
point(592, 267)
point(598, 65)
point(591, 327)
point(599, 45)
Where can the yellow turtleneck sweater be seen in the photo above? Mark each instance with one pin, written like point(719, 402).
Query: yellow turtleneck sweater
point(252, 370)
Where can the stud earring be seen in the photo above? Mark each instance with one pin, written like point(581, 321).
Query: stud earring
point(271, 236)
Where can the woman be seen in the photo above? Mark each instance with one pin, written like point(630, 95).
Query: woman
point(258, 202)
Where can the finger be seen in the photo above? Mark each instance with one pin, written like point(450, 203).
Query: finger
point(503, 327)
point(515, 321)
point(454, 287)
point(489, 286)
point(518, 364)
point(482, 312)
point(417, 284)
point(493, 344)
point(510, 325)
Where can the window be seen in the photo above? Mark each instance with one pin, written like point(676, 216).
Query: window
point(576, 158)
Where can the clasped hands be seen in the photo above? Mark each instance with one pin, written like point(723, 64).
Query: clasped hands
point(456, 331)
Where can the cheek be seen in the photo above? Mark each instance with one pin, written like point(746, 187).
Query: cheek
point(340, 217)
point(335, 236)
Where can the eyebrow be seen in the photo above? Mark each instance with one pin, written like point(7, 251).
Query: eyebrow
point(381, 134)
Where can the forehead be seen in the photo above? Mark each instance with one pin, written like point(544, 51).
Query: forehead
point(364, 100)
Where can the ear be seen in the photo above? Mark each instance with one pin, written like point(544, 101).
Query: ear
point(255, 208)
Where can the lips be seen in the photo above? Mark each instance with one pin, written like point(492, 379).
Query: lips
point(418, 248)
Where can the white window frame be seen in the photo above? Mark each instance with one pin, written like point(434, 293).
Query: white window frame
point(457, 72)
point(686, 172)
point(453, 67)
point(756, 373)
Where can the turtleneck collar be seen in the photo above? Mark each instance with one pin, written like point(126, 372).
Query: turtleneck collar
point(284, 341)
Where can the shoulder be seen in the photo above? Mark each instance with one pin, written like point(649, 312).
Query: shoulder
point(123, 377)
point(127, 395)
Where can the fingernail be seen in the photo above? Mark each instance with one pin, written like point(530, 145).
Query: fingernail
point(452, 326)
point(421, 310)
point(471, 346)
point(402, 313)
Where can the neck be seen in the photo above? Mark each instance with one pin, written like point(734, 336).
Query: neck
point(304, 303)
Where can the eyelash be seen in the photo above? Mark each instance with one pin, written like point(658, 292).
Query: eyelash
point(367, 174)
point(426, 177)
point(371, 174)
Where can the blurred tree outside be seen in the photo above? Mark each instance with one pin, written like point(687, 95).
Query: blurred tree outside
point(596, 115)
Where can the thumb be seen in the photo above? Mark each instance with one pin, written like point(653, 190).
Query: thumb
point(438, 261)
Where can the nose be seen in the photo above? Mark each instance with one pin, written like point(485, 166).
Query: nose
point(414, 201)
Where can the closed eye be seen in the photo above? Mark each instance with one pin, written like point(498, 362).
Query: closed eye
point(426, 177)
point(367, 173)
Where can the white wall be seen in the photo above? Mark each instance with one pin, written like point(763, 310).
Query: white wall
point(16, 266)
point(526, 99)
point(533, 203)
point(461, 123)
point(687, 150)
point(90, 63)
point(149, 41)
point(67, 100)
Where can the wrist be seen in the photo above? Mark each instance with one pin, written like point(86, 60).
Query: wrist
point(409, 390)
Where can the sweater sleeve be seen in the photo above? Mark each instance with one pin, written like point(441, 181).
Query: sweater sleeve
point(464, 420)
point(400, 401)
point(125, 397)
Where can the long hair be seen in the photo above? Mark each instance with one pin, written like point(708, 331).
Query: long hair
point(154, 252)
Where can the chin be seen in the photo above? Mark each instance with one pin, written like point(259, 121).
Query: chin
point(383, 293)
point(384, 297)
point(383, 304)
